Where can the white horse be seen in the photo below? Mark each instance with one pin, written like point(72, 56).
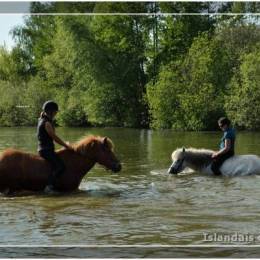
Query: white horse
point(200, 160)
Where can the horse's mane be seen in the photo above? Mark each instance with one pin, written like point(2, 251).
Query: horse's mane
point(84, 144)
point(82, 147)
point(197, 157)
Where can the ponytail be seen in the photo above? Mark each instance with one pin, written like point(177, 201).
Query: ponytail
point(42, 114)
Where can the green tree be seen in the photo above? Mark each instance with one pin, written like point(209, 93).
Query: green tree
point(163, 97)
point(59, 65)
point(108, 70)
point(191, 95)
point(33, 40)
point(35, 94)
point(112, 56)
point(243, 104)
point(207, 73)
point(238, 39)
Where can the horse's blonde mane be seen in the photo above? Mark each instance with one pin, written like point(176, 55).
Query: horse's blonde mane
point(199, 151)
point(84, 144)
point(196, 157)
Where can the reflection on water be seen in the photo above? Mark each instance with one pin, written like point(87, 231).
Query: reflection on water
point(142, 205)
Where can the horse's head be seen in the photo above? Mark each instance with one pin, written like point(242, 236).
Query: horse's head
point(106, 156)
point(178, 161)
point(101, 151)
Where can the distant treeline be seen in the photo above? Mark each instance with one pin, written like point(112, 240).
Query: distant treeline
point(160, 71)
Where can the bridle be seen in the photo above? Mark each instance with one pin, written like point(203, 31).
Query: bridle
point(179, 163)
point(175, 167)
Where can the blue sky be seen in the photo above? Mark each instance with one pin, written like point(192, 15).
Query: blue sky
point(7, 22)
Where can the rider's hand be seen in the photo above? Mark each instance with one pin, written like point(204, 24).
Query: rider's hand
point(214, 155)
point(68, 146)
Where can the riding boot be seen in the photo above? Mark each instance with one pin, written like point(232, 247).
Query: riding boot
point(217, 172)
point(215, 168)
point(50, 182)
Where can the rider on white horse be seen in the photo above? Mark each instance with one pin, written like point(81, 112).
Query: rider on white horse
point(210, 162)
point(227, 145)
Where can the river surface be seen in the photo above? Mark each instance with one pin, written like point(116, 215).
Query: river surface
point(142, 206)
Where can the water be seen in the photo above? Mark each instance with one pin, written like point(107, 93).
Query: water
point(142, 205)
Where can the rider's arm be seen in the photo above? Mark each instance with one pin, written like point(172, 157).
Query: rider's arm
point(51, 132)
point(226, 148)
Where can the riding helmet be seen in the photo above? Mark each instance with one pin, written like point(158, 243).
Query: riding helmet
point(50, 106)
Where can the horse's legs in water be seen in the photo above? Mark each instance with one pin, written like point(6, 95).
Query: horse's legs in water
point(216, 164)
point(8, 192)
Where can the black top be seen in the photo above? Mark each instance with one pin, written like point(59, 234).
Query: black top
point(45, 142)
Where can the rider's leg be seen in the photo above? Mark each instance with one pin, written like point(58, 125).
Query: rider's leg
point(216, 164)
point(57, 165)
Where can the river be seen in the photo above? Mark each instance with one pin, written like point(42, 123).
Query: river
point(160, 215)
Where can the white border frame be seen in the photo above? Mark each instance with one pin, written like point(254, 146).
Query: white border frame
point(131, 14)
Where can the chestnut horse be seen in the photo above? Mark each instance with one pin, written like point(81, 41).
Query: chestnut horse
point(21, 171)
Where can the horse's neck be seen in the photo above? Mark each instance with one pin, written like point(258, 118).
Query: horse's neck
point(77, 163)
point(197, 159)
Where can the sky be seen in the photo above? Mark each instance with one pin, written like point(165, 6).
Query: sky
point(8, 22)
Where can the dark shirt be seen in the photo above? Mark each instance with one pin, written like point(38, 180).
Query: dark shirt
point(45, 142)
point(231, 135)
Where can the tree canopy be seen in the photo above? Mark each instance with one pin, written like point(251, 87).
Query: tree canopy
point(160, 70)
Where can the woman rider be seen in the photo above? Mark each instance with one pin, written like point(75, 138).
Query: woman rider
point(46, 135)
point(227, 145)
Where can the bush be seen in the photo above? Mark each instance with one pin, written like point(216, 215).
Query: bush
point(71, 105)
point(11, 110)
point(243, 104)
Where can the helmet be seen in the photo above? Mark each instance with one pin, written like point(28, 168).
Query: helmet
point(50, 106)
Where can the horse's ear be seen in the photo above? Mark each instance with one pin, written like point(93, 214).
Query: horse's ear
point(183, 149)
point(104, 141)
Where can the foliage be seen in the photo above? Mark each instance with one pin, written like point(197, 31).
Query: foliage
point(11, 98)
point(243, 105)
point(161, 71)
point(58, 66)
point(191, 94)
point(71, 106)
point(163, 97)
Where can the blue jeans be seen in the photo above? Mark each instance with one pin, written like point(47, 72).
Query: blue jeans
point(57, 165)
